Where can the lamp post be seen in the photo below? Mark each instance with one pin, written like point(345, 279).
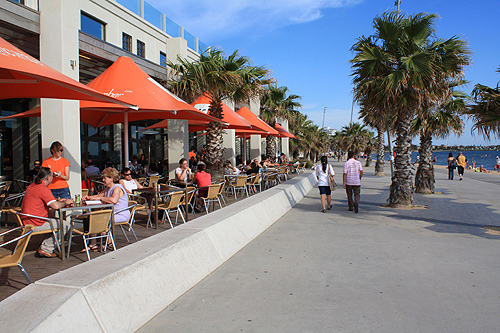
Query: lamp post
point(324, 111)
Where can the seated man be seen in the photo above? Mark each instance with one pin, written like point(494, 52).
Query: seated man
point(30, 176)
point(38, 200)
point(230, 170)
point(266, 163)
point(128, 182)
point(183, 174)
point(91, 169)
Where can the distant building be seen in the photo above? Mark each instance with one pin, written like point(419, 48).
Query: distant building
point(330, 131)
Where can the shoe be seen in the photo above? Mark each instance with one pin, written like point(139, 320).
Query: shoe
point(94, 248)
point(350, 209)
point(324, 210)
point(460, 179)
point(356, 208)
point(43, 253)
point(329, 207)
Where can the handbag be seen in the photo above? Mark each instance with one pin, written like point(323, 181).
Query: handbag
point(331, 181)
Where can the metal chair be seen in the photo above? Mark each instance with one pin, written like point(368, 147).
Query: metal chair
point(99, 228)
point(254, 181)
point(17, 255)
point(12, 202)
point(132, 206)
point(22, 184)
point(174, 200)
point(222, 183)
point(283, 173)
point(152, 180)
point(52, 230)
point(85, 192)
point(142, 205)
point(271, 179)
point(191, 190)
point(212, 196)
point(240, 184)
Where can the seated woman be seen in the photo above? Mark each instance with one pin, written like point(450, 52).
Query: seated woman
point(202, 179)
point(254, 168)
point(113, 193)
point(128, 183)
point(183, 174)
point(86, 182)
point(230, 170)
point(266, 163)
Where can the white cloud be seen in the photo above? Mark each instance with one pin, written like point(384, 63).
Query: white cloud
point(216, 19)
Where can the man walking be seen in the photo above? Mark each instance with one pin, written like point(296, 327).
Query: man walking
point(461, 161)
point(353, 171)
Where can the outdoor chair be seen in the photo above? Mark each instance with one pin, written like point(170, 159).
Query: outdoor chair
point(52, 229)
point(85, 192)
point(222, 183)
point(173, 202)
point(302, 167)
point(15, 258)
point(4, 190)
point(12, 202)
point(254, 181)
point(142, 205)
point(153, 180)
point(239, 185)
point(191, 190)
point(22, 184)
point(141, 180)
point(132, 206)
point(99, 228)
point(212, 196)
point(271, 179)
point(98, 186)
point(283, 173)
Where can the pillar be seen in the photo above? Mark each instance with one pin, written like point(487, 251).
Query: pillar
point(59, 24)
point(178, 141)
point(229, 138)
point(255, 140)
point(285, 142)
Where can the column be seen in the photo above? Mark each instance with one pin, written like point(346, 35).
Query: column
point(229, 138)
point(178, 141)
point(118, 145)
point(59, 24)
point(255, 140)
point(285, 142)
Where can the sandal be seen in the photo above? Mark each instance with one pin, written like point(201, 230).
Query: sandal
point(109, 247)
point(94, 248)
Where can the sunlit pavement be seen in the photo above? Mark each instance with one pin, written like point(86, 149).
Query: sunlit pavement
point(434, 268)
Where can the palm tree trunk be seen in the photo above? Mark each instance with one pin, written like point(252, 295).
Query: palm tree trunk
point(271, 147)
point(401, 189)
point(379, 165)
point(214, 148)
point(424, 177)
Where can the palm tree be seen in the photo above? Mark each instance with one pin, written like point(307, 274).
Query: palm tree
point(354, 137)
point(403, 68)
point(439, 121)
point(275, 103)
point(485, 113)
point(221, 77)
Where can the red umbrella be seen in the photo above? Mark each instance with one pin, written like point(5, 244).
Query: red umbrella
point(22, 76)
point(283, 132)
point(126, 81)
point(256, 123)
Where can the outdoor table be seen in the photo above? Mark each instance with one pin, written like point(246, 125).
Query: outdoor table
point(155, 193)
point(73, 208)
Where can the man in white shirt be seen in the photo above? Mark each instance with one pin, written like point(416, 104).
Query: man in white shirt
point(353, 171)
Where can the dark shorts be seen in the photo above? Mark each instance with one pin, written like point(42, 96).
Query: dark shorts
point(62, 193)
point(325, 190)
point(460, 170)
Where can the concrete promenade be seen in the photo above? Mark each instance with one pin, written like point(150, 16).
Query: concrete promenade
point(434, 269)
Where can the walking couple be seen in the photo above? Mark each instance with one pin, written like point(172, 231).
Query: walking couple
point(352, 173)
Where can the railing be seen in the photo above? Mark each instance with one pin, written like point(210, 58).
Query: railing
point(161, 21)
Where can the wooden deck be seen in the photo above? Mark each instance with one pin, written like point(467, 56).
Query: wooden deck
point(12, 280)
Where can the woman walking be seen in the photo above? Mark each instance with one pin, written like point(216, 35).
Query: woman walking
point(323, 171)
point(452, 164)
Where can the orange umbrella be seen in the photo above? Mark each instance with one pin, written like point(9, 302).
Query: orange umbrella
point(256, 123)
point(235, 121)
point(22, 76)
point(126, 81)
point(283, 132)
point(194, 125)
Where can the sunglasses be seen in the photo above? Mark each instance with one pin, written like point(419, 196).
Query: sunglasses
point(127, 174)
point(37, 164)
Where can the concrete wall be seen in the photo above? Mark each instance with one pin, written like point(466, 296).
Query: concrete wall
point(121, 291)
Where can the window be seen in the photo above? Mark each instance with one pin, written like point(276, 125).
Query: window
point(92, 26)
point(141, 49)
point(127, 42)
point(163, 59)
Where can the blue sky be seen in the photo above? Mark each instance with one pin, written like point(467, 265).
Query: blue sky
point(306, 43)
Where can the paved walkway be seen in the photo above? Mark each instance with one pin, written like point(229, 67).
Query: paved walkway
point(382, 270)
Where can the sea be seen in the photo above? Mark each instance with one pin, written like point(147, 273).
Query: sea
point(486, 158)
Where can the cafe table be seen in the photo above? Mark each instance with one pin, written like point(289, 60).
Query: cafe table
point(75, 208)
point(155, 193)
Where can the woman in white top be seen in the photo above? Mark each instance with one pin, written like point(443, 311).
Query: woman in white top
point(128, 182)
point(324, 170)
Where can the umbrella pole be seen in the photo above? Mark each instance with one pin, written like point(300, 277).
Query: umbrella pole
point(244, 148)
point(125, 139)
